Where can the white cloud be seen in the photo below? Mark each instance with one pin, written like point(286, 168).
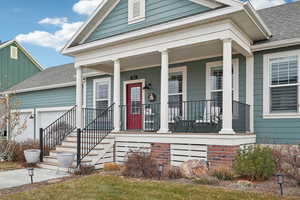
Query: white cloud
point(259, 4)
point(86, 7)
point(54, 40)
point(54, 21)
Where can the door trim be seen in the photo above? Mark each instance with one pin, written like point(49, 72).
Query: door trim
point(125, 83)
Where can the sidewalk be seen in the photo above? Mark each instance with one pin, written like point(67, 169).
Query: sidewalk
point(15, 178)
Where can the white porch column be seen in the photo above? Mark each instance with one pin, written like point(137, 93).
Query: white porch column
point(250, 88)
point(117, 85)
point(227, 87)
point(164, 92)
point(79, 96)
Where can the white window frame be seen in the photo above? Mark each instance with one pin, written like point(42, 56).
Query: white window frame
point(102, 80)
point(182, 70)
point(131, 19)
point(14, 52)
point(266, 85)
point(210, 65)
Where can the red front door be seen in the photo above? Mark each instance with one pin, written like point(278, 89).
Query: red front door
point(134, 106)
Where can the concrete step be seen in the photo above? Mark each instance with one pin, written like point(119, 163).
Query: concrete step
point(54, 160)
point(54, 154)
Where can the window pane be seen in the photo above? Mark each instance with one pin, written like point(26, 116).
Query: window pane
point(102, 105)
point(102, 90)
point(284, 99)
point(135, 98)
point(218, 97)
point(217, 78)
point(175, 83)
point(175, 99)
point(136, 8)
point(284, 70)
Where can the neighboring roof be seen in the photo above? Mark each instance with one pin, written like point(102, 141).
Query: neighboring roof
point(61, 74)
point(283, 21)
point(7, 43)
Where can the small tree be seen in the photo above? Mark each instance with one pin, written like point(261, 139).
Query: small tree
point(10, 117)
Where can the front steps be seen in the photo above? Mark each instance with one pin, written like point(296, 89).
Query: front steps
point(98, 156)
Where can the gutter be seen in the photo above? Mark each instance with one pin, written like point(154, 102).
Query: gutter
point(276, 44)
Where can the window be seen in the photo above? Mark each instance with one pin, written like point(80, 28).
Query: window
point(13, 52)
point(102, 94)
point(214, 81)
point(281, 84)
point(135, 95)
point(136, 11)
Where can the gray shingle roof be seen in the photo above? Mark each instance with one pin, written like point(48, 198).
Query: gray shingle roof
point(51, 76)
point(283, 21)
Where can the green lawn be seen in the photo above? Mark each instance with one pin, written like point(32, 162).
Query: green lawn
point(116, 188)
point(9, 166)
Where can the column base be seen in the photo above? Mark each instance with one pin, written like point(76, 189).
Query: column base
point(227, 132)
point(116, 130)
point(164, 131)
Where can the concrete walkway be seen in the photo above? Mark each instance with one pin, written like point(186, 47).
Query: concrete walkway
point(15, 178)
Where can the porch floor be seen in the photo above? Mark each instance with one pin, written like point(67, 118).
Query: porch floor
point(137, 132)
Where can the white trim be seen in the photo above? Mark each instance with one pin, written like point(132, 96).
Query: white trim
point(183, 70)
point(250, 88)
point(53, 109)
point(266, 85)
point(102, 80)
point(235, 63)
point(34, 61)
point(207, 3)
point(133, 20)
point(125, 83)
point(276, 44)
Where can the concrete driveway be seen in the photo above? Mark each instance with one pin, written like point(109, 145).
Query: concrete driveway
point(15, 178)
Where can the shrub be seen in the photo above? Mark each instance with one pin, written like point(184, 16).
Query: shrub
point(206, 180)
point(84, 170)
point(223, 173)
point(140, 164)
point(174, 173)
point(111, 167)
point(288, 161)
point(256, 163)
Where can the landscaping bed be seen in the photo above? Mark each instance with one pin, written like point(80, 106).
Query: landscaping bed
point(117, 188)
point(4, 166)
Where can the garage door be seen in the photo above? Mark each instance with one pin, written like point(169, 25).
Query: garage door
point(46, 118)
point(28, 130)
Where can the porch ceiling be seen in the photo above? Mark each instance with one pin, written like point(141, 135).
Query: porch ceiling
point(177, 55)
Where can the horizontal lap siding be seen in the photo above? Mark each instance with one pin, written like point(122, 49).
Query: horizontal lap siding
point(14, 71)
point(157, 11)
point(59, 97)
point(271, 131)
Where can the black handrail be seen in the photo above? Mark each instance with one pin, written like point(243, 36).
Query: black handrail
point(94, 132)
point(57, 131)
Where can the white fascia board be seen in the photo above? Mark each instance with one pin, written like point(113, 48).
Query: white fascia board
point(276, 44)
point(208, 3)
point(153, 29)
point(41, 88)
point(37, 64)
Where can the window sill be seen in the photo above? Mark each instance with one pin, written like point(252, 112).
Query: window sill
point(281, 116)
point(136, 20)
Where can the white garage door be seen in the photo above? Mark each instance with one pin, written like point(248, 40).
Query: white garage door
point(28, 130)
point(47, 118)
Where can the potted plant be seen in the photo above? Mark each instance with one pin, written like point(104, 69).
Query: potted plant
point(32, 156)
point(65, 160)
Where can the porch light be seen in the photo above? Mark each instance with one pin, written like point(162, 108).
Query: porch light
point(147, 86)
point(280, 181)
point(31, 174)
point(32, 116)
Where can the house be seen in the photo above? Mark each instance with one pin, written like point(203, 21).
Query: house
point(182, 79)
point(16, 65)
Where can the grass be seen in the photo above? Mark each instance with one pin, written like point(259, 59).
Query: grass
point(116, 188)
point(9, 166)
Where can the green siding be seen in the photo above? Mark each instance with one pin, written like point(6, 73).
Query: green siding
point(157, 11)
point(272, 131)
point(59, 97)
point(196, 80)
point(14, 71)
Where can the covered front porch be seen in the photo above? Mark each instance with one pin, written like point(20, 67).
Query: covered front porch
point(184, 86)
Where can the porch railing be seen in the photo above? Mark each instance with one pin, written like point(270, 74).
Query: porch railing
point(56, 132)
point(144, 117)
point(99, 123)
point(240, 117)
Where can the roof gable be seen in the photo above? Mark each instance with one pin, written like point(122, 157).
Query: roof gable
point(106, 7)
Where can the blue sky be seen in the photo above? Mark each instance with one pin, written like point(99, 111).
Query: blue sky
point(44, 26)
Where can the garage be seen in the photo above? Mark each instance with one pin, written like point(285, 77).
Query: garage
point(27, 122)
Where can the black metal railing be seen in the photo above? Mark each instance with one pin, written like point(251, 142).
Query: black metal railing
point(56, 132)
point(143, 117)
point(94, 131)
point(202, 116)
point(240, 117)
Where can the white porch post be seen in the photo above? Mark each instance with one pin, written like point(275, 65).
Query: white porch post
point(250, 88)
point(164, 92)
point(227, 87)
point(117, 85)
point(79, 96)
